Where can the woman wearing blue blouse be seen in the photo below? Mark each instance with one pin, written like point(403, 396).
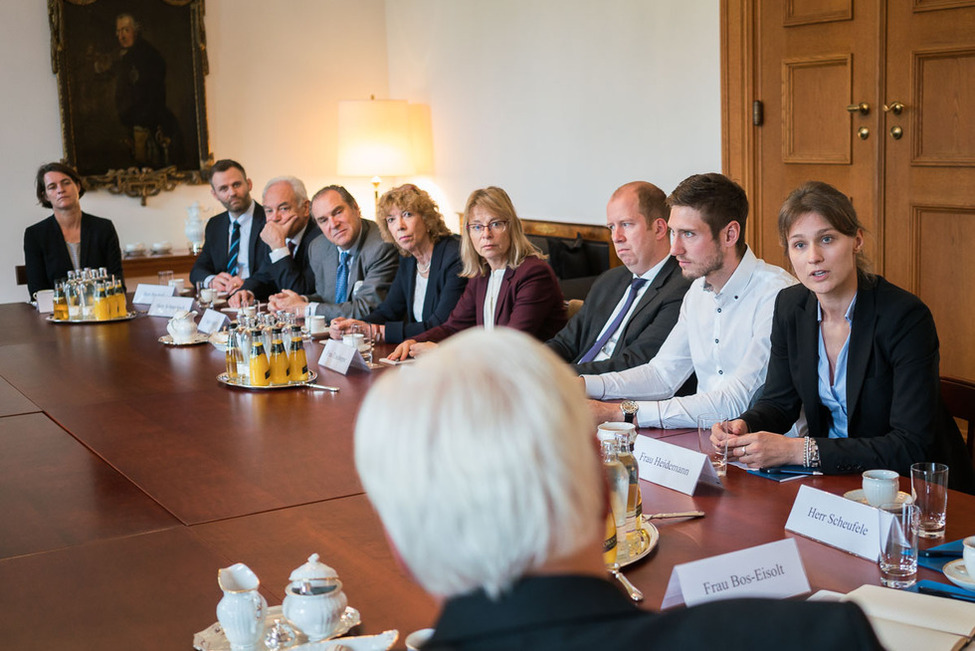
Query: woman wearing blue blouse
point(427, 284)
point(857, 353)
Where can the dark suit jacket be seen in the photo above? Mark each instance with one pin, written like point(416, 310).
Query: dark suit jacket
point(530, 300)
point(46, 253)
point(444, 288)
point(213, 258)
point(651, 322)
point(895, 413)
point(576, 613)
point(290, 272)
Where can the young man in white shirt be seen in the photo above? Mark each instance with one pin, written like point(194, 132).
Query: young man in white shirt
point(722, 332)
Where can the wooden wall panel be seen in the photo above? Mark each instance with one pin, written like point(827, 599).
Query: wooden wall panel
point(807, 12)
point(944, 122)
point(815, 125)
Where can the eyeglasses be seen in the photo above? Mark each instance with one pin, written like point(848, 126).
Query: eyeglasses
point(497, 226)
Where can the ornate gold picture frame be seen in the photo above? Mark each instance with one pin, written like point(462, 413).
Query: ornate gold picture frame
point(130, 86)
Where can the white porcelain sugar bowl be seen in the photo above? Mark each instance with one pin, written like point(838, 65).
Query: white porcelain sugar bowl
point(314, 601)
point(182, 327)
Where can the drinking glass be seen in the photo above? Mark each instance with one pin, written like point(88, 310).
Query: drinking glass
point(929, 487)
point(205, 296)
point(898, 545)
point(165, 277)
point(365, 342)
point(717, 454)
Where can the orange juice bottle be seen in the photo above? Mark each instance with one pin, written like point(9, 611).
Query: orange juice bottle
point(103, 304)
point(297, 361)
point(119, 298)
point(60, 303)
point(260, 370)
point(279, 358)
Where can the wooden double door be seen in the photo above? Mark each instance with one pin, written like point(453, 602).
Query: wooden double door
point(876, 97)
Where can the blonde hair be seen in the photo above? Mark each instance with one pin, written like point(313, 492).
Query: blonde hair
point(409, 198)
point(483, 476)
point(497, 202)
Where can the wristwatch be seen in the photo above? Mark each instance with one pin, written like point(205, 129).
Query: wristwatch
point(629, 408)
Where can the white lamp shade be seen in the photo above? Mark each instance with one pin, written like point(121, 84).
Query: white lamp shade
point(374, 138)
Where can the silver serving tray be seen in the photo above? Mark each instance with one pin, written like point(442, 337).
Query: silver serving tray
point(223, 379)
point(128, 317)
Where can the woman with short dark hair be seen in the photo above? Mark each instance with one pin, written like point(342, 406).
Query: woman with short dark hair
point(69, 239)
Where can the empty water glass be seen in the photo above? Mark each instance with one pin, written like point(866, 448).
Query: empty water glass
point(898, 545)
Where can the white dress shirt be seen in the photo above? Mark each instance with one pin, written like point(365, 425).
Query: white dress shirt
point(607, 350)
point(491, 297)
point(722, 337)
point(419, 296)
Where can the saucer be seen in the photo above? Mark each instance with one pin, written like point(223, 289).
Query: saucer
point(649, 537)
point(858, 496)
point(958, 574)
point(198, 338)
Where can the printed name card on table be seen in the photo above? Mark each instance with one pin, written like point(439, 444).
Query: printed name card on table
point(672, 466)
point(212, 320)
point(145, 293)
point(168, 306)
point(837, 522)
point(773, 570)
point(339, 357)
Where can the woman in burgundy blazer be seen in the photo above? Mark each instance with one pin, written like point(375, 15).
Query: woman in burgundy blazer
point(505, 270)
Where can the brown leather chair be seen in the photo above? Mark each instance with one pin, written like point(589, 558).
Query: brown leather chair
point(959, 397)
point(21, 271)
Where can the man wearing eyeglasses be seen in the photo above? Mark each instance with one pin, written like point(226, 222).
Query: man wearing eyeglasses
point(352, 266)
point(630, 310)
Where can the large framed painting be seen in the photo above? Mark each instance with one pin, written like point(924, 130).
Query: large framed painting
point(130, 84)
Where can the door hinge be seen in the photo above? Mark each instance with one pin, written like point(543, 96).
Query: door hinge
point(758, 113)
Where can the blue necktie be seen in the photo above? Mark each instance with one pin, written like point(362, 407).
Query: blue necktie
point(615, 325)
point(342, 279)
point(234, 250)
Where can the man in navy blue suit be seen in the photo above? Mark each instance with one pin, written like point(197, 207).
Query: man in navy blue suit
point(233, 250)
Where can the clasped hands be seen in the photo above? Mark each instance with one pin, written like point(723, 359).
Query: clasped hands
point(757, 449)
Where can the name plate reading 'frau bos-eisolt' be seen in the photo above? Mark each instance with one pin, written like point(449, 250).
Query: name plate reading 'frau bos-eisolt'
point(838, 522)
point(773, 570)
point(672, 466)
point(211, 321)
point(339, 357)
point(145, 293)
point(168, 306)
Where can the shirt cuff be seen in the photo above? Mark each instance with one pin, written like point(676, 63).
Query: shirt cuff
point(279, 254)
point(594, 386)
point(311, 309)
point(648, 415)
point(208, 281)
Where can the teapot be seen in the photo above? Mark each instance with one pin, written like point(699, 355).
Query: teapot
point(314, 601)
point(182, 327)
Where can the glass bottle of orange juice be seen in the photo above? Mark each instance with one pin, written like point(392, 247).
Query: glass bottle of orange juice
point(60, 302)
point(297, 360)
point(103, 304)
point(260, 370)
point(279, 358)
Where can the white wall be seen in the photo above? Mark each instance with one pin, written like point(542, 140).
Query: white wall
point(561, 101)
point(558, 101)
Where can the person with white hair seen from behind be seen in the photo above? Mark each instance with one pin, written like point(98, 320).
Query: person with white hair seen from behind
point(493, 496)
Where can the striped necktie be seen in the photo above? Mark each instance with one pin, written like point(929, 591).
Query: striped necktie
point(234, 251)
point(342, 278)
point(615, 325)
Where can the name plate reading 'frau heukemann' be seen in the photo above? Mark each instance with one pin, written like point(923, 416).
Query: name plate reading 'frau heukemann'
point(773, 570)
point(672, 466)
point(838, 522)
point(145, 293)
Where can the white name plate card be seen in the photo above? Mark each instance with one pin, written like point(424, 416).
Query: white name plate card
point(212, 320)
point(837, 522)
point(773, 570)
point(339, 357)
point(168, 306)
point(672, 466)
point(145, 293)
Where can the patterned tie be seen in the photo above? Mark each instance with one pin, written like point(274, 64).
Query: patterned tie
point(234, 250)
point(291, 247)
point(342, 278)
point(615, 325)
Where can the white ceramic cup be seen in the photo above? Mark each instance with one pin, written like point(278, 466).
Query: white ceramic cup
point(317, 324)
point(45, 300)
point(179, 284)
point(969, 556)
point(880, 487)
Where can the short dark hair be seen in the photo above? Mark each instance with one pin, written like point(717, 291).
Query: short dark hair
point(345, 194)
point(223, 165)
point(719, 200)
point(65, 169)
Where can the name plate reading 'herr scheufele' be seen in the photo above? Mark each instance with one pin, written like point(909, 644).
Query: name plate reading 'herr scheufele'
point(672, 466)
point(837, 521)
point(773, 570)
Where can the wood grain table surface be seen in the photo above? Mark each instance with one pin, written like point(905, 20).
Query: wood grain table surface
point(129, 476)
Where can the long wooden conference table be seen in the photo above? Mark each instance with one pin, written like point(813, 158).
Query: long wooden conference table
point(129, 476)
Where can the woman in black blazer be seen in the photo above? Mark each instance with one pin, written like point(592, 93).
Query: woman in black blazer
point(858, 354)
point(409, 218)
point(68, 239)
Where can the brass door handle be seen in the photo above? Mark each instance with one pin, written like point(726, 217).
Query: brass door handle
point(863, 133)
point(895, 107)
point(862, 108)
point(896, 133)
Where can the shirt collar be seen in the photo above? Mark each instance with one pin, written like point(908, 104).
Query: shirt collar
point(849, 311)
point(245, 216)
point(654, 270)
point(740, 278)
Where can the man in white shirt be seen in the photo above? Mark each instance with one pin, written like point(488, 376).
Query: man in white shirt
point(233, 249)
point(630, 310)
point(722, 333)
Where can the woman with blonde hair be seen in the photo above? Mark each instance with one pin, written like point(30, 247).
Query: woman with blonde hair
point(427, 284)
point(510, 284)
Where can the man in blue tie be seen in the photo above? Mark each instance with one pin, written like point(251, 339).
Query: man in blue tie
point(630, 310)
point(233, 249)
point(353, 267)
